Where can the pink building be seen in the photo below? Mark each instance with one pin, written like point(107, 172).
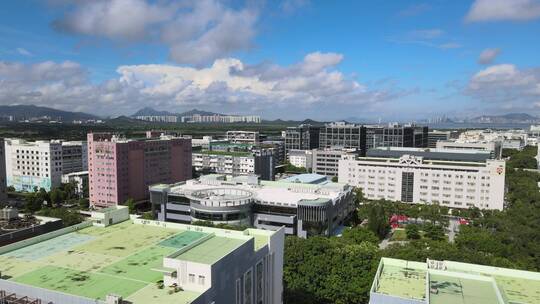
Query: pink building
point(119, 168)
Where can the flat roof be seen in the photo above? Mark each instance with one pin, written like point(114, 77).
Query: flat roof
point(121, 259)
point(456, 283)
point(307, 178)
point(211, 250)
point(282, 192)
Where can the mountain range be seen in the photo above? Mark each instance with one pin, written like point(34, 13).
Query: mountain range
point(147, 111)
point(506, 118)
point(22, 112)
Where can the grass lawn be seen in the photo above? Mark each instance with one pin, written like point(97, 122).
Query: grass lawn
point(398, 235)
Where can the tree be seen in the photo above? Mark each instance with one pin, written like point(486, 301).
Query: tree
point(32, 203)
point(378, 220)
point(56, 197)
point(131, 205)
point(334, 179)
point(358, 235)
point(412, 231)
point(321, 270)
point(434, 232)
point(67, 216)
point(83, 203)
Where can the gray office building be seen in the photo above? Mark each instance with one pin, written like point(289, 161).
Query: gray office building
point(303, 137)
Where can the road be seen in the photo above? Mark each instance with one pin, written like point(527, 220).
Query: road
point(453, 228)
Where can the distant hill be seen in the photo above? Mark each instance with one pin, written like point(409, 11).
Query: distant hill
point(199, 112)
point(506, 118)
point(147, 111)
point(20, 112)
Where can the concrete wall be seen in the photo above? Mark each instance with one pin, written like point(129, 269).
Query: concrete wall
point(45, 295)
point(44, 237)
point(29, 232)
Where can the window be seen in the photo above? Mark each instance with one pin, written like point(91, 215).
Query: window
point(248, 287)
point(201, 280)
point(191, 278)
point(259, 286)
point(238, 292)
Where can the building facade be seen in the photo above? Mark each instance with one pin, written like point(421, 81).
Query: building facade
point(74, 156)
point(341, 135)
point(396, 135)
point(435, 136)
point(80, 179)
point(413, 179)
point(218, 118)
point(157, 262)
point(303, 137)
point(303, 209)
point(33, 165)
point(301, 158)
point(493, 147)
point(326, 161)
point(159, 118)
point(119, 168)
point(3, 182)
point(259, 162)
point(243, 137)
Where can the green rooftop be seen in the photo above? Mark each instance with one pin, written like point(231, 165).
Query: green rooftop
point(124, 259)
point(456, 283)
point(211, 250)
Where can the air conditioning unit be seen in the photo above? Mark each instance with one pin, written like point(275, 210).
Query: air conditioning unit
point(113, 299)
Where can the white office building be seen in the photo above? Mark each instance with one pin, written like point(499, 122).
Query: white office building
point(414, 179)
point(301, 158)
point(243, 137)
point(80, 179)
point(326, 161)
point(235, 163)
point(31, 165)
point(306, 204)
point(159, 118)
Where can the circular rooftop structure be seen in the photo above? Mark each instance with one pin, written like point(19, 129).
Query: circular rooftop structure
point(221, 197)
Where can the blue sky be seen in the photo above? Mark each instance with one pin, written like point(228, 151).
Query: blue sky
point(295, 59)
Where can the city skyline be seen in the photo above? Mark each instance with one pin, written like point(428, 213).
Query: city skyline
point(294, 59)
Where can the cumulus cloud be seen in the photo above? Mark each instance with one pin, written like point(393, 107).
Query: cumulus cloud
point(196, 31)
point(506, 84)
point(488, 56)
point(229, 84)
point(496, 10)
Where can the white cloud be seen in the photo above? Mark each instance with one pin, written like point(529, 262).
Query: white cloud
point(23, 52)
point(496, 10)
point(228, 85)
point(426, 34)
point(414, 10)
point(506, 85)
point(196, 31)
point(488, 56)
point(290, 6)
